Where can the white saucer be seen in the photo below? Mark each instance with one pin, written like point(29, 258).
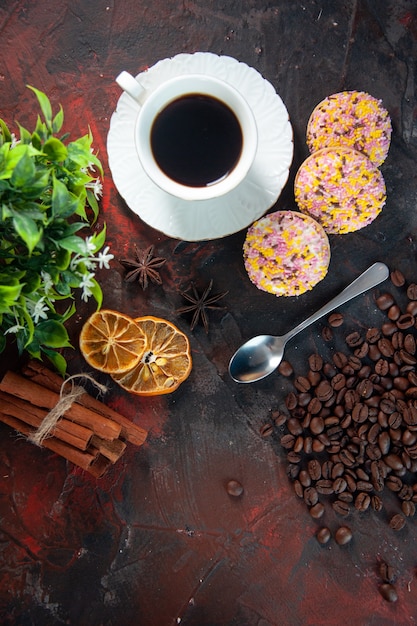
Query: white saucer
point(205, 219)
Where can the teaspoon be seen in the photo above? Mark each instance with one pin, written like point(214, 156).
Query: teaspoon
point(261, 355)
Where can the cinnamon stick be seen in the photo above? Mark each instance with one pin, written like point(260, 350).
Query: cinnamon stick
point(65, 430)
point(112, 450)
point(84, 460)
point(36, 371)
point(40, 396)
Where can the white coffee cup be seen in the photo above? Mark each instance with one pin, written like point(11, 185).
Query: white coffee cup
point(230, 136)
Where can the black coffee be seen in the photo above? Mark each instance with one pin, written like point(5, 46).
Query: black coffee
point(196, 140)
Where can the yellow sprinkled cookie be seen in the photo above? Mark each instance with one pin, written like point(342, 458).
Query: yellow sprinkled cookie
point(340, 188)
point(286, 253)
point(353, 119)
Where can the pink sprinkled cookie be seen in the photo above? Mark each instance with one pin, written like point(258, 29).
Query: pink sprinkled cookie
point(353, 119)
point(340, 188)
point(286, 253)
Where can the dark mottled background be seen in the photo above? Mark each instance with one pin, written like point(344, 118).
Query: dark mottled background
point(158, 541)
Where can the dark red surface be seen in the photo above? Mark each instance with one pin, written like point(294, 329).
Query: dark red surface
point(159, 541)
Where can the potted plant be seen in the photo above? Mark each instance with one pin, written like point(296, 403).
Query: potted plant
point(49, 188)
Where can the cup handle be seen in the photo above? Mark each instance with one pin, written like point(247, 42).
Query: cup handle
point(130, 85)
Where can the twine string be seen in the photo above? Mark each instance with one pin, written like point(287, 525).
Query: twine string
point(65, 402)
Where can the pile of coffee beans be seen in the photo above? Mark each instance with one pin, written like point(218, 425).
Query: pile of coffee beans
point(349, 427)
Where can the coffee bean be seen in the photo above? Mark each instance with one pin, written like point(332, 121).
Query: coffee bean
point(408, 508)
point(338, 381)
point(388, 592)
point(323, 535)
point(293, 457)
point(341, 507)
point(412, 291)
point(266, 430)
point(287, 441)
point(387, 572)
point(354, 339)
point(362, 501)
point(317, 510)
point(314, 406)
point(315, 362)
point(397, 522)
point(384, 301)
point(317, 425)
point(294, 426)
point(327, 333)
point(285, 369)
point(385, 347)
point(336, 320)
point(393, 461)
point(389, 328)
point(410, 345)
point(339, 485)
point(324, 391)
point(279, 418)
point(343, 535)
point(360, 413)
point(411, 307)
point(340, 359)
point(347, 458)
point(298, 488)
point(397, 278)
point(311, 496)
point(373, 335)
point(234, 488)
point(376, 503)
point(291, 401)
point(365, 388)
point(394, 312)
point(314, 469)
point(302, 383)
point(324, 486)
point(373, 352)
point(405, 321)
point(384, 442)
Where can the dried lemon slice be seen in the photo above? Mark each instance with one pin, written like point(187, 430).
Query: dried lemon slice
point(112, 342)
point(165, 362)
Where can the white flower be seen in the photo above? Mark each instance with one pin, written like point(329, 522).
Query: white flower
point(14, 141)
point(89, 245)
point(47, 281)
point(86, 285)
point(14, 329)
point(104, 257)
point(97, 188)
point(37, 310)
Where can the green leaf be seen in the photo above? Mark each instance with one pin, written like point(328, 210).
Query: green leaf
point(55, 150)
point(25, 136)
point(23, 172)
point(9, 295)
point(52, 334)
point(5, 132)
point(97, 293)
point(58, 120)
point(28, 230)
point(64, 203)
point(98, 239)
point(57, 360)
point(73, 244)
point(91, 199)
point(44, 104)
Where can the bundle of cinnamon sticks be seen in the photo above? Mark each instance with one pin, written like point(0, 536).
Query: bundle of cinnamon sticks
point(90, 434)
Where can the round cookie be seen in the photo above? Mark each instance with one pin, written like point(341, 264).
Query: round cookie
point(286, 253)
point(340, 188)
point(353, 119)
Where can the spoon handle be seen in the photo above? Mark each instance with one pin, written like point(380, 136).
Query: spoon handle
point(371, 277)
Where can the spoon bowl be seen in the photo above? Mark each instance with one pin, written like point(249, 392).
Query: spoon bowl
point(261, 355)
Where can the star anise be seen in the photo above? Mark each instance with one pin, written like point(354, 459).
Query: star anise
point(143, 267)
point(200, 303)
